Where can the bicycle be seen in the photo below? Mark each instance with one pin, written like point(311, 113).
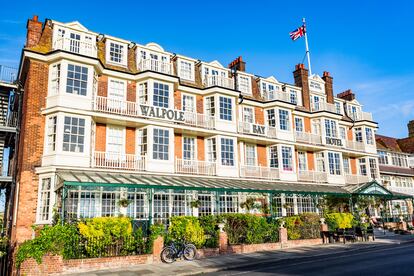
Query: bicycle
point(178, 250)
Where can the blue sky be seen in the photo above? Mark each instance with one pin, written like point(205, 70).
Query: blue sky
point(367, 47)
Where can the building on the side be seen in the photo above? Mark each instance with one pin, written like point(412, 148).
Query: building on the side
point(106, 119)
point(396, 165)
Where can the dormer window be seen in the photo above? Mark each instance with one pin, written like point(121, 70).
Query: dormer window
point(244, 84)
point(186, 70)
point(293, 96)
point(116, 53)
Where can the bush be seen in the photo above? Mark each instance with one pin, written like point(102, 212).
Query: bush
point(339, 220)
point(303, 226)
point(186, 228)
point(249, 229)
point(211, 231)
point(51, 240)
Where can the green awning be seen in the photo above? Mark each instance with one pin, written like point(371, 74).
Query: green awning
point(72, 179)
point(134, 180)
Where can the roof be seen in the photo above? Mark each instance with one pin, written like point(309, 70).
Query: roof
point(73, 179)
point(396, 170)
point(405, 145)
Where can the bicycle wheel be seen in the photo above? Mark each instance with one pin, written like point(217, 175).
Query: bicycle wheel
point(190, 252)
point(168, 255)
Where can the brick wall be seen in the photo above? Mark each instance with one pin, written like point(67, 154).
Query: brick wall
point(130, 140)
point(328, 87)
point(178, 145)
point(259, 115)
point(353, 162)
point(261, 155)
point(311, 161)
point(200, 104)
point(200, 148)
point(177, 99)
point(103, 86)
point(131, 91)
point(100, 137)
point(350, 134)
point(307, 124)
point(31, 148)
point(301, 79)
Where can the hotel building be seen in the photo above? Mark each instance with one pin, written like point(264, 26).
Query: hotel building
point(106, 119)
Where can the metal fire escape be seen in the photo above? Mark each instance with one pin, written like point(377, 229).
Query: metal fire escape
point(8, 130)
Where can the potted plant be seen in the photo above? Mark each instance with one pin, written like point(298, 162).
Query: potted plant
point(195, 203)
point(124, 202)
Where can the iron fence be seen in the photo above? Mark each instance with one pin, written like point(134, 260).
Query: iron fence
point(80, 247)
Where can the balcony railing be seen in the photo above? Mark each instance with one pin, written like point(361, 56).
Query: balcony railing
point(221, 81)
point(134, 109)
point(361, 115)
point(354, 145)
point(278, 95)
point(10, 120)
point(85, 48)
point(109, 160)
point(322, 106)
point(164, 67)
point(195, 167)
point(313, 176)
point(356, 179)
point(309, 138)
point(259, 172)
point(8, 74)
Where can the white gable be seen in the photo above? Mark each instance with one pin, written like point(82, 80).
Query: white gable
point(76, 25)
point(317, 78)
point(216, 64)
point(155, 47)
point(272, 79)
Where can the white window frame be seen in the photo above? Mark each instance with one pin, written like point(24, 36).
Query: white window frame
point(231, 110)
point(337, 163)
point(254, 148)
point(180, 73)
point(288, 123)
point(301, 119)
point(183, 107)
point(52, 198)
point(245, 110)
point(305, 160)
point(194, 149)
point(234, 157)
point(245, 88)
point(169, 145)
point(124, 57)
point(117, 128)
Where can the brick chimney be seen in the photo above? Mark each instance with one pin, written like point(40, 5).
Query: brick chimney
point(238, 64)
point(34, 31)
point(301, 79)
point(347, 95)
point(328, 87)
point(411, 129)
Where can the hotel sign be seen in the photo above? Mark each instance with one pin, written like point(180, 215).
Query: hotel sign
point(162, 113)
point(258, 129)
point(333, 141)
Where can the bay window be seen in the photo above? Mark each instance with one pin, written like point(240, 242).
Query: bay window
point(330, 128)
point(287, 157)
point(210, 106)
point(334, 162)
point(143, 93)
point(211, 150)
point(250, 155)
point(293, 96)
point(273, 157)
point(161, 95)
point(142, 141)
point(51, 134)
point(74, 134)
point(227, 152)
point(284, 119)
point(271, 117)
point(226, 109)
point(77, 80)
point(373, 168)
point(347, 169)
point(369, 136)
point(161, 144)
point(320, 161)
point(358, 134)
point(383, 157)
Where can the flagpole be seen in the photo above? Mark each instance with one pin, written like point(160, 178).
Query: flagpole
point(307, 47)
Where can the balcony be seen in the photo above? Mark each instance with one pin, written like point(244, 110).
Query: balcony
point(403, 190)
point(354, 145)
point(149, 64)
point(278, 95)
point(133, 109)
point(356, 179)
point(220, 81)
point(8, 74)
point(85, 48)
point(195, 167)
point(10, 120)
point(308, 138)
point(361, 116)
point(313, 176)
point(259, 172)
point(322, 106)
point(118, 161)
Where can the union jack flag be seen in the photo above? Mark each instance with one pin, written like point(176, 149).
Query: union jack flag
point(299, 32)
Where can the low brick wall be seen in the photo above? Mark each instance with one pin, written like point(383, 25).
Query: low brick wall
point(56, 265)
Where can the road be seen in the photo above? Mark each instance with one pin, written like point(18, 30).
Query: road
point(396, 260)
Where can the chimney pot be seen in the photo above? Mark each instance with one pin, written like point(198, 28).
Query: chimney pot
point(35, 18)
point(326, 74)
point(238, 64)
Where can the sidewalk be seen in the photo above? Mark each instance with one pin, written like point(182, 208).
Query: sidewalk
point(218, 263)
